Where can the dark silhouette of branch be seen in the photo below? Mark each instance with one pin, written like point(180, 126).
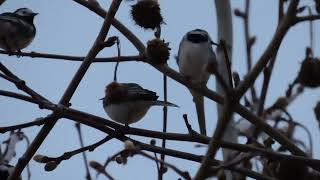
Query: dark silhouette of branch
point(74, 58)
point(85, 159)
point(222, 124)
point(271, 50)
point(70, 154)
point(36, 122)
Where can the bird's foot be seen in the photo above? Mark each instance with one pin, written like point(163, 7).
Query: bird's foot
point(19, 53)
point(122, 131)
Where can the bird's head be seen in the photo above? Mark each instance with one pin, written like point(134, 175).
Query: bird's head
point(198, 36)
point(26, 13)
point(115, 92)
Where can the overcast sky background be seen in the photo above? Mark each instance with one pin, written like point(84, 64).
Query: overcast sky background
point(64, 27)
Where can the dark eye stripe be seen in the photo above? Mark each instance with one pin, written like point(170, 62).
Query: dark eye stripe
point(197, 38)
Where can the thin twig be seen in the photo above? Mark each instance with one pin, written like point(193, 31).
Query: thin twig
point(306, 18)
point(215, 140)
point(184, 174)
point(70, 154)
point(21, 85)
point(74, 58)
point(88, 175)
point(164, 127)
point(268, 70)
point(117, 64)
point(272, 49)
point(36, 122)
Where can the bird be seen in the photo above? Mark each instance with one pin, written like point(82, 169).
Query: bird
point(194, 55)
point(127, 103)
point(17, 29)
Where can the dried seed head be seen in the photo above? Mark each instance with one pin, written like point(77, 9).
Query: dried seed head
point(158, 51)
point(309, 74)
point(128, 145)
point(50, 166)
point(146, 13)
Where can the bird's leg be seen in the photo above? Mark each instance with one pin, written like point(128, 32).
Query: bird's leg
point(126, 126)
point(19, 51)
point(122, 131)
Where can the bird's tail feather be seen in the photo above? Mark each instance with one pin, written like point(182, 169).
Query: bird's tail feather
point(162, 103)
point(199, 103)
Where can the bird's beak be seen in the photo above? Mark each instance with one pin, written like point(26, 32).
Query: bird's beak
point(213, 43)
point(101, 98)
point(34, 14)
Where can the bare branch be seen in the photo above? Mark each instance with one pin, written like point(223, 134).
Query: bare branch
point(74, 58)
point(36, 122)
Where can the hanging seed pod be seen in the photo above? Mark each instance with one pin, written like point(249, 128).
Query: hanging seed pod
point(146, 13)
point(158, 51)
point(309, 74)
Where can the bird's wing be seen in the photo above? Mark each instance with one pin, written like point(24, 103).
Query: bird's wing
point(179, 50)
point(213, 58)
point(11, 18)
point(11, 24)
point(136, 92)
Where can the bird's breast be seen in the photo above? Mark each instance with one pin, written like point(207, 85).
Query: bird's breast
point(193, 60)
point(127, 112)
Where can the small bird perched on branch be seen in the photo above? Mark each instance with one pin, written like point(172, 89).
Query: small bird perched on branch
point(127, 103)
point(194, 55)
point(17, 29)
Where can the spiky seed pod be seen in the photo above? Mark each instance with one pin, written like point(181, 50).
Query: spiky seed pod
point(50, 166)
point(146, 13)
point(158, 51)
point(309, 74)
